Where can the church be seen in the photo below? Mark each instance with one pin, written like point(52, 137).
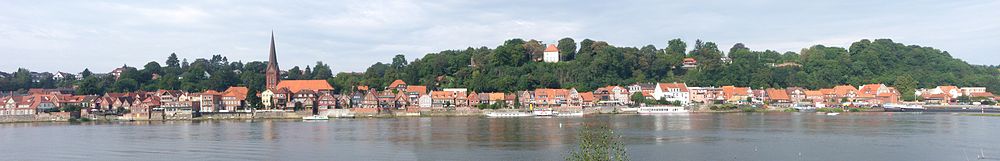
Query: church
point(292, 94)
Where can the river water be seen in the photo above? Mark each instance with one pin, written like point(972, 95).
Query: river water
point(728, 136)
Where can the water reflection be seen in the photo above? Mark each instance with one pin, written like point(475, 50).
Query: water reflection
point(702, 136)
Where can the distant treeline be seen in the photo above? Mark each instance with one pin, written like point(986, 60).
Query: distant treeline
point(586, 65)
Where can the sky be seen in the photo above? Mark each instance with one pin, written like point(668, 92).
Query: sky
point(69, 36)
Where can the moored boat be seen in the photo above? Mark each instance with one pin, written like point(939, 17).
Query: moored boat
point(662, 110)
point(507, 114)
point(569, 114)
point(316, 117)
point(543, 113)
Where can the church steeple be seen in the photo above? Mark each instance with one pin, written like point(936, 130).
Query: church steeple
point(273, 73)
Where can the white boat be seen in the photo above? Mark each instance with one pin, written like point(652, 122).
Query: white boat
point(629, 109)
point(569, 114)
point(508, 114)
point(543, 113)
point(315, 117)
point(832, 114)
point(662, 110)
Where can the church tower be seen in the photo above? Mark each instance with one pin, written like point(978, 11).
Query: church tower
point(272, 72)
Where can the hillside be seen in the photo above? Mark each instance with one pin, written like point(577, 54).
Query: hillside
point(592, 64)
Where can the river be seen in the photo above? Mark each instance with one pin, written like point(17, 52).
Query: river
point(701, 136)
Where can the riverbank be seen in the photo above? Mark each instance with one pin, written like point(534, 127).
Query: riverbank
point(348, 113)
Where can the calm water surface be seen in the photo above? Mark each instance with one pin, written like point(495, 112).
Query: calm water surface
point(734, 136)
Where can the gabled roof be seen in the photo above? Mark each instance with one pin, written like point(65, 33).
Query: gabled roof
point(587, 96)
point(981, 94)
point(812, 93)
point(843, 90)
point(297, 85)
point(869, 90)
point(211, 92)
point(496, 96)
point(828, 91)
point(681, 86)
point(551, 93)
point(473, 96)
point(443, 94)
point(551, 48)
point(239, 92)
point(948, 88)
point(420, 90)
point(777, 94)
point(396, 83)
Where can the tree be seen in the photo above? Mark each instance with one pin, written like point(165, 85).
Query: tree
point(535, 49)
point(172, 61)
point(637, 98)
point(86, 73)
point(322, 71)
point(71, 108)
point(676, 46)
point(598, 142)
point(567, 49)
point(294, 74)
point(399, 61)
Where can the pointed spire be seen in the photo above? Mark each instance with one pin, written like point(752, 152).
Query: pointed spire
point(273, 59)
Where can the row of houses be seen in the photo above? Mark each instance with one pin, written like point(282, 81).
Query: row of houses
point(136, 104)
point(309, 94)
point(948, 95)
point(866, 95)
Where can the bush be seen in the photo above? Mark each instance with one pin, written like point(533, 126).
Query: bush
point(854, 110)
point(790, 110)
point(723, 107)
point(751, 109)
point(597, 142)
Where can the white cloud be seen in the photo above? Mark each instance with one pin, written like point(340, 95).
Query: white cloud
point(176, 15)
point(351, 35)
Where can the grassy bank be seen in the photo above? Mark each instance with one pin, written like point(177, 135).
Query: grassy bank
point(982, 114)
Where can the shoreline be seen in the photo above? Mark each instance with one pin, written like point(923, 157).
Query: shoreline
point(295, 116)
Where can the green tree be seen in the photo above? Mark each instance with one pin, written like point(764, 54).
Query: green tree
point(567, 49)
point(598, 142)
point(294, 74)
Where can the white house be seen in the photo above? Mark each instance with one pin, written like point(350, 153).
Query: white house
point(968, 91)
point(551, 54)
point(951, 91)
point(672, 92)
point(425, 101)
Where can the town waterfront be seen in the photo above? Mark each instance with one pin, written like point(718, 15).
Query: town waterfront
point(695, 136)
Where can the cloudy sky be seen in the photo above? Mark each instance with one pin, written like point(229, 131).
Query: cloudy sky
point(352, 35)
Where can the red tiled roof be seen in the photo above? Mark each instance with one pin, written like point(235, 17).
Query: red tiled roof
point(551, 48)
point(420, 90)
point(239, 92)
point(396, 83)
point(827, 91)
point(814, 93)
point(869, 90)
point(496, 96)
point(777, 94)
point(552, 93)
point(843, 90)
point(443, 94)
point(297, 85)
point(981, 94)
point(587, 96)
point(682, 86)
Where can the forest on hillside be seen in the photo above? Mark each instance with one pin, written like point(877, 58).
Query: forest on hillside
point(585, 65)
point(592, 64)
